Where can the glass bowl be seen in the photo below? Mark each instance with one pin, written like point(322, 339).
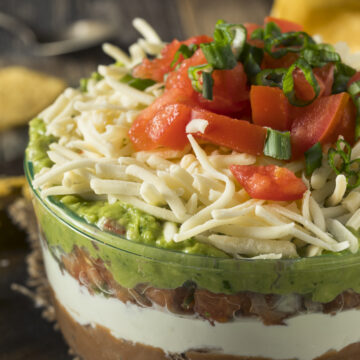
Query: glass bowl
point(120, 299)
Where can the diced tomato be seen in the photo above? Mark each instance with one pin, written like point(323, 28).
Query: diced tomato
point(303, 89)
point(138, 133)
point(270, 107)
point(156, 69)
point(355, 77)
point(284, 25)
point(238, 135)
point(326, 76)
point(230, 91)
point(200, 39)
point(269, 182)
point(318, 121)
point(167, 127)
point(179, 78)
point(284, 62)
point(346, 126)
point(250, 27)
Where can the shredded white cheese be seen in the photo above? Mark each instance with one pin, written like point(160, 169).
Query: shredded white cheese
point(192, 190)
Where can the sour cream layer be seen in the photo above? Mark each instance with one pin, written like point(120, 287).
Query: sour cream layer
point(304, 337)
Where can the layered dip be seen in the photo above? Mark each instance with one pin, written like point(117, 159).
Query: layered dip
point(201, 199)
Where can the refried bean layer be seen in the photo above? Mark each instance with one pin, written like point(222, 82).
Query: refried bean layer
point(96, 343)
point(271, 309)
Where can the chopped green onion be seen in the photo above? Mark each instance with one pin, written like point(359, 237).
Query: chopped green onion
point(199, 82)
point(228, 44)
point(280, 45)
point(271, 77)
point(185, 51)
point(354, 91)
point(320, 57)
point(96, 76)
point(137, 83)
point(84, 84)
point(208, 83)
point(278, 144)
point(219, 55)
point(257, 34)
point(342, 75)
point(323, 46)
point(235, 34)
point(353, 174)
point(222, 33)
point(339, 159)
point(271, 30)
point(251, 58)
point(313, 158)
point(288, 82)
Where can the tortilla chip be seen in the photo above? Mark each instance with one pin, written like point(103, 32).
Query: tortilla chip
point(334, 20)
point(11, 184)
point(24, 93)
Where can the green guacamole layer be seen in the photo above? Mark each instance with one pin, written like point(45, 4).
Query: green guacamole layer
point(321, 278)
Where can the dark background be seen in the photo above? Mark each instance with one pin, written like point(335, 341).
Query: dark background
point(23, 333)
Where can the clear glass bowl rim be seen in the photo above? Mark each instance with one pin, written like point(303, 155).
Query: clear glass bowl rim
point(155, 253)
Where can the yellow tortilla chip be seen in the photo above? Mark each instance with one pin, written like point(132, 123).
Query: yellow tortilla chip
point(24, 93)
point(334, 20)
point(11, 184)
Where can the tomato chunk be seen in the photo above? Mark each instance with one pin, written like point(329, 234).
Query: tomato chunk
point(346, 126)
point(284, 62)
point(250, 28)
point(138, 133)
point(326, 75)
point(318, 121)
point(238, 135)
point(269, 182)
point(270, 107)
point(284, 25)
point(167, 127)
point(230, 91)
point(156, 69)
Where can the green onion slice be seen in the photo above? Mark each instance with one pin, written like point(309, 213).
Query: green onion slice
point(354, 91)
point(208, 83)
point(339, 159)
point(313, 158)
point(320, 57)
point(278, 144)
point(84, 84)
point(238, 37)
point(219, 55)
point(201, 82)
point(342, 75)
point(257, 34)
point(280, 45)
point(137, 83)
point(271, 30)
point(288, 82)
point(96, 76)
point(352, 171)
point(271, 77)
point(251, 58)
point(340, 156)
point(185, 51)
